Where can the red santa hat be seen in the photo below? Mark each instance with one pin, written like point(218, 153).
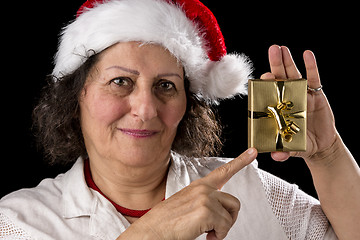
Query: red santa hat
point(186, 28)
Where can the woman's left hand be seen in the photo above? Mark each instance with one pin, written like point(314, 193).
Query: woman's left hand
point(321, 131)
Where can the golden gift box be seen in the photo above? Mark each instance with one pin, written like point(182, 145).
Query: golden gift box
point(277, 115)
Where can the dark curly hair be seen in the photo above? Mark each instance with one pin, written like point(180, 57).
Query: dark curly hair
point(58, 131)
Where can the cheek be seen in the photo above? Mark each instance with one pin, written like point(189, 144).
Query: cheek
point(173, 114)
point(102, 110)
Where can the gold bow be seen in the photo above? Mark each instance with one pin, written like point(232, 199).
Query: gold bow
point(286, 128)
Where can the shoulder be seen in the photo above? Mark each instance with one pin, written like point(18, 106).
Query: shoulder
point(28, 209)
point(47, 191)
point(40, 210)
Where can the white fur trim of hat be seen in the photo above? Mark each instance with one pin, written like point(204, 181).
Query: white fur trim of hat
point(186, 28)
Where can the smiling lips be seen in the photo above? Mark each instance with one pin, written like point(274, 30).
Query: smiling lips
point(138, 133)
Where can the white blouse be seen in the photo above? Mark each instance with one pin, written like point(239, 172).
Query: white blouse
point(66, 208)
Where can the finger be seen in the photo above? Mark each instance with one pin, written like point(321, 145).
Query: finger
point(280, 156)
point(230, 203)
point(312, 72)
point(226, 211)
point(276, 62)
point(289, 64)
point(211, 236)
point(267, 76)
point(222, 174)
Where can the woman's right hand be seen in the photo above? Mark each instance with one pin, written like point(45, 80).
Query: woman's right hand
point(198, 208)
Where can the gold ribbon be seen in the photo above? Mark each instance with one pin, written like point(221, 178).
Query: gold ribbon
point(286, 128)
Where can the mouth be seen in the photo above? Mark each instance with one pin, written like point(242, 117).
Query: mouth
point(138, 133)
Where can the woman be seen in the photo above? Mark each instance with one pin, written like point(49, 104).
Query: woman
point(130, 94)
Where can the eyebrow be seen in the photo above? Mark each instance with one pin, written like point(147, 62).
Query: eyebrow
point(125, 69)
point(169, 75)
point(138, 73)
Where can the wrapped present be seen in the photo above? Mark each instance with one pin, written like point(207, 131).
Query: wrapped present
point(277, 115)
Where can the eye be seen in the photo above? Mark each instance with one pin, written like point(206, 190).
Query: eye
point(122, 85)
point(166, 87)
point(122, 81)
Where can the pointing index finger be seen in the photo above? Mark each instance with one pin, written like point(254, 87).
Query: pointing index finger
point(224, 173)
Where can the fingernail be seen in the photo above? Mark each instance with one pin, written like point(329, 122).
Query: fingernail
point(250, 151)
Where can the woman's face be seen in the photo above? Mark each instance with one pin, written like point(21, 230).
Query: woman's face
point(132, 103)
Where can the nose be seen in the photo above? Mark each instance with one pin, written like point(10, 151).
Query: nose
point(143, 105)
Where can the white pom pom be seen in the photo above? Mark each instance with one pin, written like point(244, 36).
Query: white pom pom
point(226, 78)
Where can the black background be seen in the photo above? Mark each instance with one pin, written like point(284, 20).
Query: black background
point(30, 37)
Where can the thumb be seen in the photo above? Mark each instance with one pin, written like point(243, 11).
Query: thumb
point(222, 174)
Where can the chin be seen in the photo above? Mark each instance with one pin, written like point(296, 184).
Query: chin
point(141, 158)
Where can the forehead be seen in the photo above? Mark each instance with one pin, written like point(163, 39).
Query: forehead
point(136, 54)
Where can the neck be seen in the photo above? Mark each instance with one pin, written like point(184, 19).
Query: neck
point(135, 188)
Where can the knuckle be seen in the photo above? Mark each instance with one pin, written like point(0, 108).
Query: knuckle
point(225, 170)
point(203, 200)
point(241, 158)
point(235, 208)
point(201, 189)
point(237, 204)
